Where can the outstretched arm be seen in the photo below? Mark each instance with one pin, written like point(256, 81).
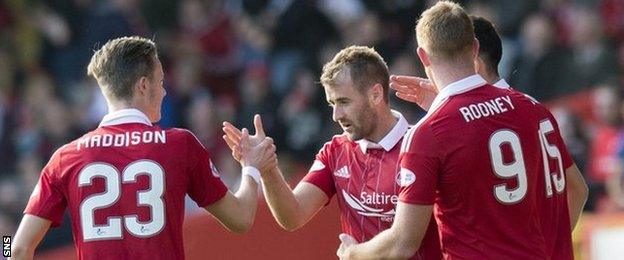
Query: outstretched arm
point(291, 209)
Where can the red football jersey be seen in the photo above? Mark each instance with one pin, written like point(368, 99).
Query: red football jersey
point(493, 163)
point(363, 175)
point(124, 185)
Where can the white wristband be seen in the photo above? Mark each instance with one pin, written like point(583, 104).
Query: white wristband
point(252, 172)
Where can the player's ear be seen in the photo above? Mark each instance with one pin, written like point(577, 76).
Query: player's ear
point(141, 86)
point(475, 48)
point(423, 56)
point(376, 94)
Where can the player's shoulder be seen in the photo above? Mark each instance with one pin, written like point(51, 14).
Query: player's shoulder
point(182, 133)
point(337, 142)
point(340, 139)
point(529, 101)
point(59, 152)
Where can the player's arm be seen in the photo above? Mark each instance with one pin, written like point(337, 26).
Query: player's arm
point(237, 211)
point(577, 193)
point(401, 241)
point(29, 233)
point(291, 209)
point(45, 208)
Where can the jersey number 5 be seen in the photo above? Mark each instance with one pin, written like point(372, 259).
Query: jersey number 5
point(151, 197)
point(517, 168)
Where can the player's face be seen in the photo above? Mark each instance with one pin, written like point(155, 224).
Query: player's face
point(351, 108)
point(156, 92)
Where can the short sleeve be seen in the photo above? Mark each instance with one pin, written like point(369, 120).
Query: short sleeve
point(205, 185)
point(47, 199)
point(320, 174)
point(420, 162)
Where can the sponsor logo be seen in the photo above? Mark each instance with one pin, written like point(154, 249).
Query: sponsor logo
point(405, 177)
point(213, 168)
point(359, 205)
point(6, 246)
point(343, 172)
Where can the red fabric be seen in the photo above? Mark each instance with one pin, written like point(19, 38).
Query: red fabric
point(186, 169)
point(451, 161)
point(366, 190)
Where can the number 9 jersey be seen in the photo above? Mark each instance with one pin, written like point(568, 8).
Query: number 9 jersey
point(493, 163)
point(124, 185)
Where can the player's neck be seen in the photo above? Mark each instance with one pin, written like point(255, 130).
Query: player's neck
point(116, 106)
point(444, 75)
point(490, 77)
point(385, 123)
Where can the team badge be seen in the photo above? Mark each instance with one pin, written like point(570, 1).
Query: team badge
point(405, 177)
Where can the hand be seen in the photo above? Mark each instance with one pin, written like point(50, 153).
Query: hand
point(259, 156)
point(346, 241)
point(233, 136)
point(414, 89)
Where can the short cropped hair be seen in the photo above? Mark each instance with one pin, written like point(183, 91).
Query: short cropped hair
point(445, 31)
point(120, 63)
point(490, 46)
point(365, 65)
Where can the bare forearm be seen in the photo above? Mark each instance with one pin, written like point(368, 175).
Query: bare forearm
point(247, 197)
point(386, 245)
point(282, 201)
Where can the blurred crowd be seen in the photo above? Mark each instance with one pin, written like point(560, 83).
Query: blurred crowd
point(226, 60)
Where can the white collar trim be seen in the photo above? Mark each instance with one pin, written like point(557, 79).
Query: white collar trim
point(391, 139)
point(457, 87)
point(125, 116)
point(501, 84)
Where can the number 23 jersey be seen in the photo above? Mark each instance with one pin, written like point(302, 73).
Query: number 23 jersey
point(124, 185)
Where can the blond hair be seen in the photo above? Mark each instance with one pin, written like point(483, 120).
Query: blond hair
point(120, 63)
point(445, 31)
point(366, 68)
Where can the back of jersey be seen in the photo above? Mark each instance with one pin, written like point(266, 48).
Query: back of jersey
point(124, 186)
point(510, 156)
point(500, 176)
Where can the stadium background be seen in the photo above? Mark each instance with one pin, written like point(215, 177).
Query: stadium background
point(229, 59)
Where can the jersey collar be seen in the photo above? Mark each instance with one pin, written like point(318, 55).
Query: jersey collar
point(501, 84)
point(125, 116)
point(457, 87)
point(391, 139)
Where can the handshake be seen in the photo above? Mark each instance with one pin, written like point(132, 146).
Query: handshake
point(256, 150)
